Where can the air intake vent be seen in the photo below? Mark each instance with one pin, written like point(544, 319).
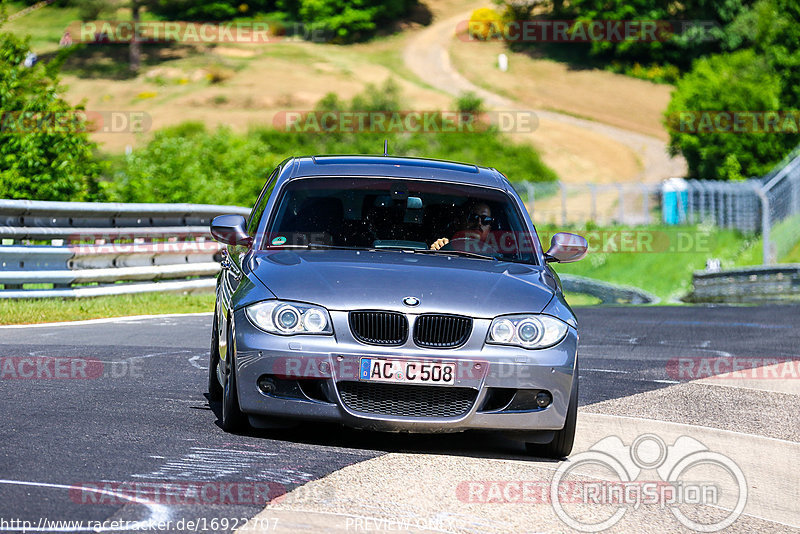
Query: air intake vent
point(405, 400)
point(379, 328)
point(442, 331)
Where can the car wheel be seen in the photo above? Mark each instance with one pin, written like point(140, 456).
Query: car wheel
point(233, 420)
point(214, 387)
point(563, 439)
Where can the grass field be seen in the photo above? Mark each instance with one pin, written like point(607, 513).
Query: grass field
point(664, 264)
point(590, 93)
point(29, 311)
point(45, 25)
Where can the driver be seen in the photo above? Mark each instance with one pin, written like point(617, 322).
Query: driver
point(476, 224)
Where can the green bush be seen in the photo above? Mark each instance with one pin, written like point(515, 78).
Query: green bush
point(379, 98)
point(341, 21)
point(469, 102)
point(349, 21)
point(188, 163)
point(739, 82)
point(206, 10)
point(42, 163)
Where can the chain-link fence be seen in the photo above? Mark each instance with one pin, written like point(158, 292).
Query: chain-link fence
point(769, 205)
point(780, 194)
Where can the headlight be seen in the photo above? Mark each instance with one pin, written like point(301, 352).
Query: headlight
point(527, 331)
point(287, 318)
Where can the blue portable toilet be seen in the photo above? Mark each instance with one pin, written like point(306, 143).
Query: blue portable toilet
point(674, 199)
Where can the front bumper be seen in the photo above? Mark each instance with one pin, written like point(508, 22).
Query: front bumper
point(310, 371)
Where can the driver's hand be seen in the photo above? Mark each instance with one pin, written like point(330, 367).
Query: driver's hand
point(439, 243)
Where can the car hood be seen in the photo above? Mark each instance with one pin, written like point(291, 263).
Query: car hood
point(347, 280)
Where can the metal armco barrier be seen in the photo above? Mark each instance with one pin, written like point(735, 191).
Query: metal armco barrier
point(750, 284)
point(150, 247)
point(607, 293)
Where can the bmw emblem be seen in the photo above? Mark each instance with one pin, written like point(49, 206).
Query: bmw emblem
point(411, 301)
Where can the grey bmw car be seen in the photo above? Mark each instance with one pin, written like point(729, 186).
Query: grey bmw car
point(394, 294)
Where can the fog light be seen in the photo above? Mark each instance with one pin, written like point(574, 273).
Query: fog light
point(543, 399)
point(266, 385)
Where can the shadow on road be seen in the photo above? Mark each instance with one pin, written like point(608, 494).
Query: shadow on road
point(475, 444)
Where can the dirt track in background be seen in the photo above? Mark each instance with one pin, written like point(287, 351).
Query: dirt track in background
point(579, 150)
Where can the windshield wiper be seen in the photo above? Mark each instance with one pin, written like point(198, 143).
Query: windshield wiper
point(316, 246)
point(323, 246)
point(463, 253)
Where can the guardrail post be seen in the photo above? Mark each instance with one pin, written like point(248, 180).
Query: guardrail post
point(689, 202)
point(766, 254)
point(646, 203)
point(531, 190)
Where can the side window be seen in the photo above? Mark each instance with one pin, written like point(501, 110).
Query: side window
point(261, 204)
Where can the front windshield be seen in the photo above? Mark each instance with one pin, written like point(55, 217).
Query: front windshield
point(408, 214)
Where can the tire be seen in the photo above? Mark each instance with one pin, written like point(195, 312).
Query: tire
point(233, 420)
point(214, 387)
point(563, 439)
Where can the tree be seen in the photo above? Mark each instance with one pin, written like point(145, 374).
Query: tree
point(762, 75)
point(772, 29)
point(687, 30)
point(135, 48)
point(45, 151)
point(717, 87)
point(347, 21)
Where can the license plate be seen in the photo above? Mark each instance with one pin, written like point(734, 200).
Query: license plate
point(410, 372)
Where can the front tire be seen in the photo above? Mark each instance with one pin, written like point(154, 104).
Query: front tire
point(214, 387)
point(561, 446)
point(233, 420)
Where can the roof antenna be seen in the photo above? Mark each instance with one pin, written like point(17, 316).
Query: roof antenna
point(385, 147)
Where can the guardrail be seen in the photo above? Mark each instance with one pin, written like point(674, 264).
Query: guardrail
point(607, 293)
point(750, 284)
point(123, 248)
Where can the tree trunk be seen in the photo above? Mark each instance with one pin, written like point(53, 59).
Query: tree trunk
point(135, 50)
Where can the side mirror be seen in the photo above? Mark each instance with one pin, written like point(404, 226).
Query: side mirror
point(565, 248)
point(231, 230)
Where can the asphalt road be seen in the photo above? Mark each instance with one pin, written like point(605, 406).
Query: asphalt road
point(141, 415)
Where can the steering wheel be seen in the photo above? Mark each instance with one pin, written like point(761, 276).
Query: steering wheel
point(469, 244)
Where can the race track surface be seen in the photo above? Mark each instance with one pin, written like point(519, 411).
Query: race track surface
point(140, 414)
